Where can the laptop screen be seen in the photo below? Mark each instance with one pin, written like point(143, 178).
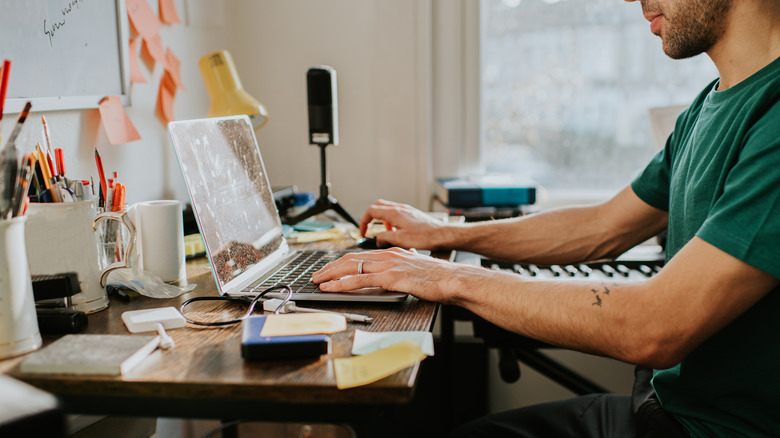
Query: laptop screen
point(230, 193)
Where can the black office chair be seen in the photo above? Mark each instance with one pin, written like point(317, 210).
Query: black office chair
point(514, 349)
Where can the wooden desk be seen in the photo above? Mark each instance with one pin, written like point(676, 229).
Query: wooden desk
point(204, 376)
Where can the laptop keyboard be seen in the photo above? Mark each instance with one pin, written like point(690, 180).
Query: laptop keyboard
point(297, 272)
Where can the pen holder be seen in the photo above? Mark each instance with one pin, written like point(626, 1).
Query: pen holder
point(19, 332)
point(60, 238)
point(116, 236)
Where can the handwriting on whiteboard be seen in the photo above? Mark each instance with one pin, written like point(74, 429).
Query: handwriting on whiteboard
point(50, 29)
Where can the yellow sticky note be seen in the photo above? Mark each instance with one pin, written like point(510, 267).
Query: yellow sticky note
point(362, 370)
point(316, 236)
point(303, 324)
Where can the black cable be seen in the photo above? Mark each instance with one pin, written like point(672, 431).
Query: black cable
point(211, 433)
point(242, 300)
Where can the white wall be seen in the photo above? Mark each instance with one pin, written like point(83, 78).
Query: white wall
point(375, 47)
point(379, 50)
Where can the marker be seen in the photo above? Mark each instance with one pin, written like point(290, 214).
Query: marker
point(59, 161)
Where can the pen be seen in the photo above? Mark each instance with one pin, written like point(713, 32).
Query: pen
point(18, 127)
point(37, 180)
point(110, 196)
point(48, 151)
point(102, 176)
point(10, 165)
point(23, 182)
point(6, 71)
point(41, 162)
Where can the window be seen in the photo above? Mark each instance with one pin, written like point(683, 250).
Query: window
point(566, 86)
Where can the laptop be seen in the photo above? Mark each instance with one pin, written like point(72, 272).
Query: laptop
point(238, 220)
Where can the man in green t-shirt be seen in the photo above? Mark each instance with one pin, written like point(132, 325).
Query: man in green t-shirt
point(708, 324)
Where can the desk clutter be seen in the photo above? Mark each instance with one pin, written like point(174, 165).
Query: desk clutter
point(486, 197)
point(61, 237)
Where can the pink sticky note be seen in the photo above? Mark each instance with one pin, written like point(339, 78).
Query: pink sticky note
point(136, 75)
point(173, 67)
point(165, 103)
point(153, 46)
point(118, 126)
point(168, 12)
point(143, 18)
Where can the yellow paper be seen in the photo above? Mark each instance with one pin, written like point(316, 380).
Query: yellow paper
point(316, 236)
point(303, 324)
point(362, 370)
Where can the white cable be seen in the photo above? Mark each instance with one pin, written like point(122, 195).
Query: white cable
point(273, 305)
point(166, 341)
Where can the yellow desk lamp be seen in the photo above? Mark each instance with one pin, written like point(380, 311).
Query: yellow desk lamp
point(224, 88)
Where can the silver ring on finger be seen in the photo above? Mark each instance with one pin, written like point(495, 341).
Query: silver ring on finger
point(360, 267)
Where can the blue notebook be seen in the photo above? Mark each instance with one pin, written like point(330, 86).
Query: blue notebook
point(256, 347)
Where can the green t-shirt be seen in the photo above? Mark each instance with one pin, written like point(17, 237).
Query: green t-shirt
point(719, 179)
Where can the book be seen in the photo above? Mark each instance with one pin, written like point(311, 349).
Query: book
point(487, 191)
point(475, 214)
point(91, 354)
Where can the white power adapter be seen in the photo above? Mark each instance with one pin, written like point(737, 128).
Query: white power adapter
point(146, 320)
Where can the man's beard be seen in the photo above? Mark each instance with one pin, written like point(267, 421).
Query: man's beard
point(694, 27)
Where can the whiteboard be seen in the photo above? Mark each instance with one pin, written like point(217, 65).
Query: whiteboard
point(65, 54)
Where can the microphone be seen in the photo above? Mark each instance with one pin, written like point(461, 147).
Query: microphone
point(322, 92)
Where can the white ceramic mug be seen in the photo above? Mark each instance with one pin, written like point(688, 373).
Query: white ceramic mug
point(161, 239)
point(19, 332)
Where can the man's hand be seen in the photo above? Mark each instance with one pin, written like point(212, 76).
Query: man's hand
point(407, 227)
point(395, 269)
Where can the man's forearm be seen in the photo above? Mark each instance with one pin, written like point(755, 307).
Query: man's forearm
point(533, 238)
point(566, 235)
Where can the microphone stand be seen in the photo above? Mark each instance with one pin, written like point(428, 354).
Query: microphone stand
point(325, 202)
